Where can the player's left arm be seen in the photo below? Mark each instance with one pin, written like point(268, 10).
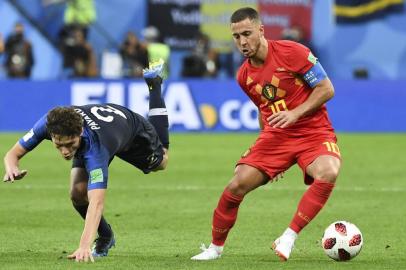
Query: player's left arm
point(321, 93)
point(93, 216)
point(308, 66)
point(11, 161)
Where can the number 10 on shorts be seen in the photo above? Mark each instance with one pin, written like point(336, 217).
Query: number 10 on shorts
point(332, 147)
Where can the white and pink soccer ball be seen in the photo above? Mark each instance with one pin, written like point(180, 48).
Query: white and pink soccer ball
point(342, 241)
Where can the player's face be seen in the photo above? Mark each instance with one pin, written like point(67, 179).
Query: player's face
point(247, 36)
point(66, 145)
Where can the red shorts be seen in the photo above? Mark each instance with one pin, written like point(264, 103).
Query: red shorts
point(274, 153)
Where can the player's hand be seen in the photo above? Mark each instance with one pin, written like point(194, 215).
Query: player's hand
point(282, 119)
point(14, 174)
point(82, 255)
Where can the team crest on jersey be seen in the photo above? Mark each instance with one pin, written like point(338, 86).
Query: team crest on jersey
point(269, 91)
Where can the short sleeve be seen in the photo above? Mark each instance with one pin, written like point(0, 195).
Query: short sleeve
point(97, 162)
point(36, 135)
point(242, 76)
point(297, 57)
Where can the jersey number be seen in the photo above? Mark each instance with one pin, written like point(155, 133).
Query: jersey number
point(278, 106)
point(95, 111)
point(332, 147)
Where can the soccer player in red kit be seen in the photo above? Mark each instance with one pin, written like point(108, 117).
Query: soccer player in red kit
point(290, 88)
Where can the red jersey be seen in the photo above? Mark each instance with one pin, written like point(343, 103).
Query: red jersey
point(278, 85)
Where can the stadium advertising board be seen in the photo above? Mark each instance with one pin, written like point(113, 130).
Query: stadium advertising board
point(178, 21)
point(192, 105)
point(202, 105)
point(215, 21)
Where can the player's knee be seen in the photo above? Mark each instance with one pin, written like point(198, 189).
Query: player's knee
point(78, 195)
point(245, 179)
point(325, 168)
point(329, 173)
point(237, 187)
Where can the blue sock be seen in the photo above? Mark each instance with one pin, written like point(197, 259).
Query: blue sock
point(158, 115)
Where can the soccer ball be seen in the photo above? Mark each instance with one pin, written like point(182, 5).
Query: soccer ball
point(342, 241)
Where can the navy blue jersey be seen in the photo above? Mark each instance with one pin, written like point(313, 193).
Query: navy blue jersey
point(108, 130)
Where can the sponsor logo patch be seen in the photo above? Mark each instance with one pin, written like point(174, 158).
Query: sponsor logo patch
point(96, 176)
point(312, 59)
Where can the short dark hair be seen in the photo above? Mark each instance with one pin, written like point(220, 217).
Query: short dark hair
point(244, 13)
point(64, 121)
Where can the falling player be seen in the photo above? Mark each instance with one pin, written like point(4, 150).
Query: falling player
point(91, 136)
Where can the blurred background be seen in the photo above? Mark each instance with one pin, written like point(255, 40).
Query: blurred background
point(62, 52)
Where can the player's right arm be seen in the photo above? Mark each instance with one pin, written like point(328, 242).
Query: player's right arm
point(11, 163)
point(28, 142)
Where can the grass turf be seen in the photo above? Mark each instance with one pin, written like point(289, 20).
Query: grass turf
point(160, 219)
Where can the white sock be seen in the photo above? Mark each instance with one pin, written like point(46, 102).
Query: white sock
point(291, 233)
point(217, 248)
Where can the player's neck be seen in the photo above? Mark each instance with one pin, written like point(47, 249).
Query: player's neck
point(259, 58)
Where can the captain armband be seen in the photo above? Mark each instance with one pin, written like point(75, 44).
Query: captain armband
point(314, 75)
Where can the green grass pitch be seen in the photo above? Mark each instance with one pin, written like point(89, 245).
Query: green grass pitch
point(161, 219)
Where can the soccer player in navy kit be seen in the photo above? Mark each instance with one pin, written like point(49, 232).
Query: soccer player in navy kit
point(91, 136)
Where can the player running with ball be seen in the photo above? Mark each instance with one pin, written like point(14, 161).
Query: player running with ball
point(290, 88)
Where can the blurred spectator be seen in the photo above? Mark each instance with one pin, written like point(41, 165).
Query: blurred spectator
point(80, 13)
point(226, 63)
point(19, 57)
point(238, 59)
point(156, 49)
point(295, 33)
point(134, 55)
point(2, 73)
point(78, 55)
point(1, 44)
point(361, 73)
point(203, 62)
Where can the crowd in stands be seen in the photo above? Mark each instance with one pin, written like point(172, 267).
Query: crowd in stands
point(80, 59)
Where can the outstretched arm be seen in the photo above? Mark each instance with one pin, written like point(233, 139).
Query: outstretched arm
point(93, 216)
point(11, 160)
